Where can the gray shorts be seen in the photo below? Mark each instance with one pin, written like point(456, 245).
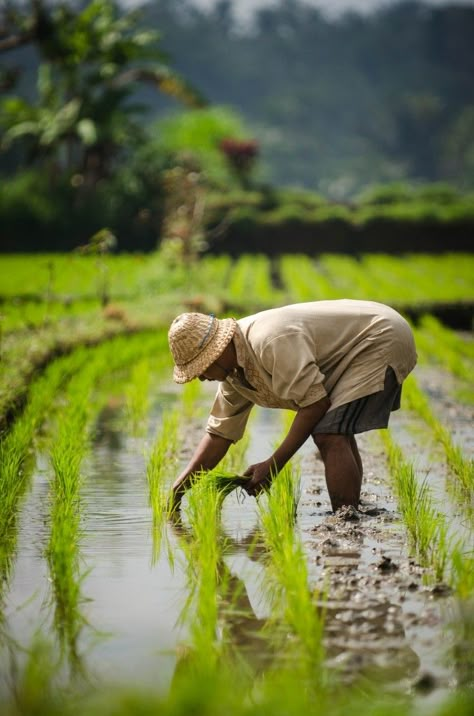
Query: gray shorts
point(368, 413)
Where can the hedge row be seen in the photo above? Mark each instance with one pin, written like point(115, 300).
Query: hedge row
point(382, 235)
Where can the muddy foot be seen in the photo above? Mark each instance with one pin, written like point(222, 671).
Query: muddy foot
point(348, 513)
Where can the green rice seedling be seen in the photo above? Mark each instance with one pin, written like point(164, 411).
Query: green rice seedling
point(17, 458)
point(424, 270)
point(204, 554)
point(426, 527)
point(414, 278)
point(460, 467)
point(16, 455)
point(27, 315)
point(303, 279)
point(345, 275)
point(67, 453)
point(250, 283)
point(441, 346)
point(462, 572)
point(160, 461)
point(137, 395)
point(294, 602)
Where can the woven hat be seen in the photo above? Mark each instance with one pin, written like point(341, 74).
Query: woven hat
point(196, 340)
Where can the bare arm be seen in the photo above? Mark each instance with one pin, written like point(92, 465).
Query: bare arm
point(305, 420)
point(207, 455)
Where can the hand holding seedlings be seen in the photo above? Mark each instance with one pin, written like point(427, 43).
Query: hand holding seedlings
point(339, 365)
point(260, 477)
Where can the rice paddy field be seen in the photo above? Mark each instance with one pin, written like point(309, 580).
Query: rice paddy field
point(239, 606)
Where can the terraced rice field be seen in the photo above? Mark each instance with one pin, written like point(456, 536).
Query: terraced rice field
point(242, 606)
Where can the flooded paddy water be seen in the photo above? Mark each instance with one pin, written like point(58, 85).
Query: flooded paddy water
point(383, 617)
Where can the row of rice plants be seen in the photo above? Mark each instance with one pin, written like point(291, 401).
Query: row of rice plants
point(137, 395)
point(250, 285)
point(461, 468)
point(57, 281)
point(209, 276)
point(16, 447)
point(303, 281)
point(67, 453)
point(413, 278)
point(16, 457)
point(410, 278)
point(294, 603)
point(26, 315)
point(79, 275)
point(68, 450)
point(398, 280)
point(428, 530)
point(438, 344)
point(418, 276)
point(345, 275)
point(204, 557)
point(161, 458)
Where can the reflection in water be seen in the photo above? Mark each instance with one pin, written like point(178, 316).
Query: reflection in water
point(238, 630)
point(108, 433)
point(462, 652)
point(15, 479)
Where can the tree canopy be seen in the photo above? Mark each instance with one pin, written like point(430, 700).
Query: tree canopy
point(90, 63)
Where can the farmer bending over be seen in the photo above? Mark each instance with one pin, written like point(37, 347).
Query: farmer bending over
point(338, 364)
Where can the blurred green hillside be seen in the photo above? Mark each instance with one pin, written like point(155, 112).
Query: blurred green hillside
point(339, 104)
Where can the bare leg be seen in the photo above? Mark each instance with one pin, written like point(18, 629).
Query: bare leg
point(343, 470)
point(356, 453)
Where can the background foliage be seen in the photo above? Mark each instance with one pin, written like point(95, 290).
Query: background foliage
point(98, 104)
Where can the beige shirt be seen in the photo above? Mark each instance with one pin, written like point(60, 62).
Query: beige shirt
point(293, 356)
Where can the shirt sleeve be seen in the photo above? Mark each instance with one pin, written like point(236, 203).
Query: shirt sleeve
point(290, 361)
point(229, 414)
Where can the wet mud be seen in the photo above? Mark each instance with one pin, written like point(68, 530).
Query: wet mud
point(384, 619)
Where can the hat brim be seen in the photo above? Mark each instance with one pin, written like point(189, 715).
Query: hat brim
point(211, 352)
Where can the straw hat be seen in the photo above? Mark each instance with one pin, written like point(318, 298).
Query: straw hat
point(196, 340)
